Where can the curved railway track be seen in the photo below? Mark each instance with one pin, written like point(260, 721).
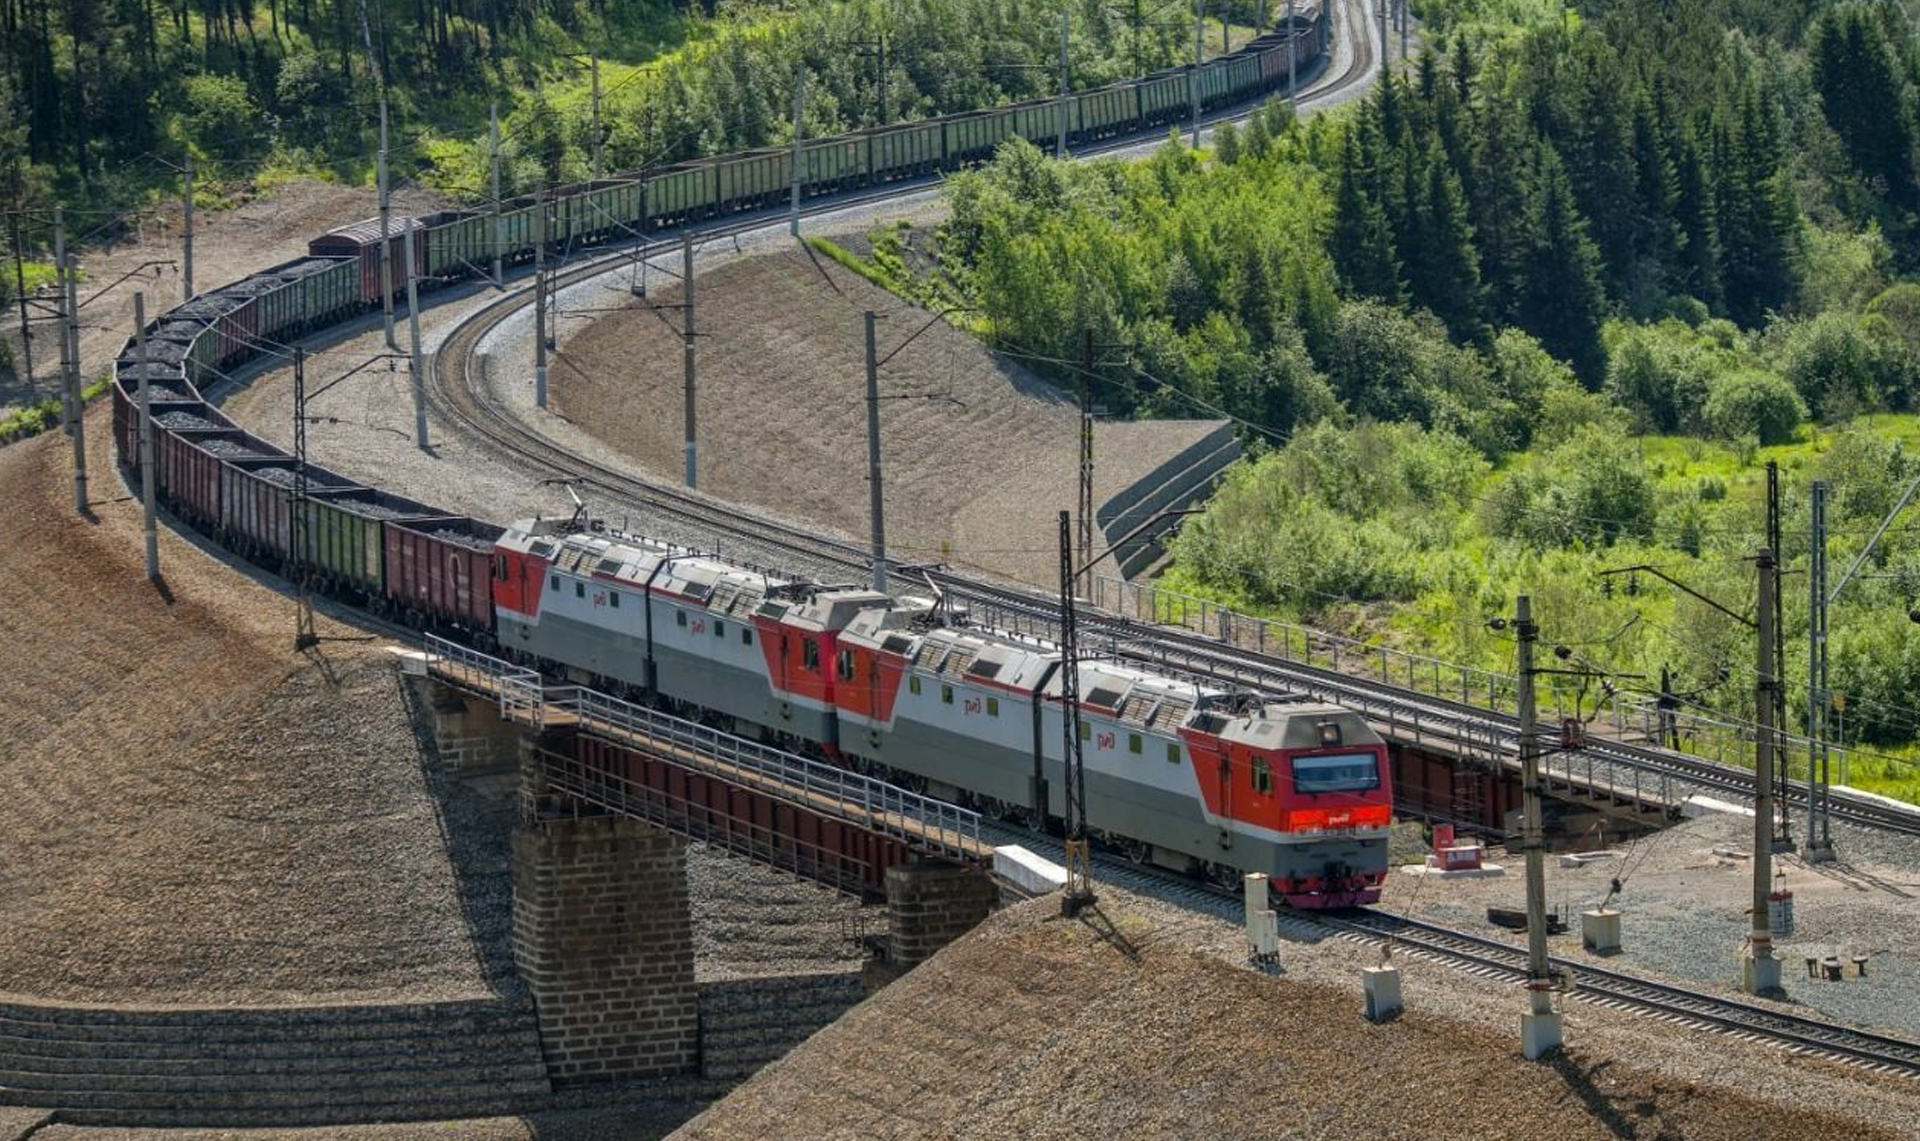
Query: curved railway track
point(1476, 729)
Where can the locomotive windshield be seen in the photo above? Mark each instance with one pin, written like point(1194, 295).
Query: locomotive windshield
point(1336, 772)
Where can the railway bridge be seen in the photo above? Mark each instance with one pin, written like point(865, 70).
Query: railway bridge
point(610, 795)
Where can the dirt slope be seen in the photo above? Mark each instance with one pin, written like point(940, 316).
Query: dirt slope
point(979, 454)
point(1032, 1027)
point(194, 813)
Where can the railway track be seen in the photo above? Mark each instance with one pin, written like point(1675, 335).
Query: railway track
point(1493, 959)
point(1473, 729)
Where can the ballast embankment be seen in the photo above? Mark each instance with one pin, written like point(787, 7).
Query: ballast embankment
point(1038, 1027)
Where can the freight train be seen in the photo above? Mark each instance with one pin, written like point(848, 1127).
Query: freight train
point(1178, 773)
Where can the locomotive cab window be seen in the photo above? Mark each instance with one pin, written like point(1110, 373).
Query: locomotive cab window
point(579, 590)
point(680, 618)
point(913, 684)
point(993, 707)
point(1336, 772)
point(500, 567)
point(746, 636)
point(946, 694)
point(1173, 753)
point(719, 629)
point(1134, 743)
point(553, 582)
point(613, 599)
point(1262, 776)
point(809, 654)
point(843, 665)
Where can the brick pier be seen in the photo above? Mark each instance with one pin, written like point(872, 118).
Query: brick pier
point(603, 936)
point(930, 905)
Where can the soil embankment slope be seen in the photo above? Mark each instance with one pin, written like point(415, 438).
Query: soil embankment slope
point(195, 813)
point(979, 454)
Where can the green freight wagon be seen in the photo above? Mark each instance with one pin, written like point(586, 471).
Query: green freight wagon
point(460, 244)
point(517, 220)
point(833, 164)
point(904, 151)
point(1107, 111)
point(1165, 98)
point(679, 193)
point(753, 179)
point(1038, 121)
point(976, 134)
point(1228, 81)
point(592, 212)
point(341, 538)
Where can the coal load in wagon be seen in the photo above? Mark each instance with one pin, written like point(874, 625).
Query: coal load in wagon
point(233, 449)
point(183, 421)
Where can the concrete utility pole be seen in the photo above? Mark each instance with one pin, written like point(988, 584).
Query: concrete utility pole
point(1085, 556)
point(1386, 45)
point(77, 385)
point(20, 294)
point(874, 500)
point(1079, 888)
point(593, 61)
point(60, 315)
point(493, 157)
point(1193, 77)
point(1404, 23)
point(1819, 825)
point(686, 349)
point(1540, 1027)
point(149, 528)
point(386, 228)
point(1761, 971)
point(413, 336)
point(540, 300)
point(1060, 151)
point(186, 228)
point(799, 171)
point(1293, 51)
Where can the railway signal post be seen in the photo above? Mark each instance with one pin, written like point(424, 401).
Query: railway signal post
point(148, 528)
point(1760, 971)
point(1541, 1028)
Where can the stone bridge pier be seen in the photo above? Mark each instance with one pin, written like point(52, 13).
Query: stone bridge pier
point(602, 922)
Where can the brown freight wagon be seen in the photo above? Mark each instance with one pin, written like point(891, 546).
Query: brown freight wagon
point(190, 461)
point(440, 572)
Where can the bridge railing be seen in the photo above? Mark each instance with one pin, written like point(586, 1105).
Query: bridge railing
point(923, 821)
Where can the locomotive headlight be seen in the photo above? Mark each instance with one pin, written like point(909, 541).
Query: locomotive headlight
point(1329, 733)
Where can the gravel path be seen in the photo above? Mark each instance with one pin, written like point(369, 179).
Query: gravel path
point(1083, 1040)
point(195, 813)
point(1685, 908)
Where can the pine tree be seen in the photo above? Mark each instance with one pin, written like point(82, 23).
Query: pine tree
point(1655, 234)
point(1501, 193)
point(1697, 268)
point(1444, 271)
point(1563, 303)
point(1758, 219)
point(1362, 242)
point(1864, 100)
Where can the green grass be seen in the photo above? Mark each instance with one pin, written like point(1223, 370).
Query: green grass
point(41, 417)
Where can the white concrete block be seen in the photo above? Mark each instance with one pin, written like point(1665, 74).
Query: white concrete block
point(1382, 988)
point(1027, 871)
point(1694, 807)
point(1600, 930)
point(1541, 1035)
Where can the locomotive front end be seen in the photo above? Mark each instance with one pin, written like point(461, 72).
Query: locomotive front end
point(1335, 807)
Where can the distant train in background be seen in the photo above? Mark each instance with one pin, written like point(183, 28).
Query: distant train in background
point(1178, 774)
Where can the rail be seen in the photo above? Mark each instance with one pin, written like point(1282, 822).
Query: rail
point(924, 822)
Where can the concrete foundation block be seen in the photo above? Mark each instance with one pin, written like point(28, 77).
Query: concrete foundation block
point(1381, 986)
point(1760, 975)
point(1600, 931)
point(1541, 1035)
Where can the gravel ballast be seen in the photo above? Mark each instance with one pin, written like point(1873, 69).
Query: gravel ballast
point(1036, 1027)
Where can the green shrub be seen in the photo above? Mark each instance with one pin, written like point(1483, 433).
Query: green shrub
point(1754, 403)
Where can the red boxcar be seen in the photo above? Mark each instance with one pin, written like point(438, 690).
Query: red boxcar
point(440, 571)
point(255, 495)
point(190, 462)
point(362, 240)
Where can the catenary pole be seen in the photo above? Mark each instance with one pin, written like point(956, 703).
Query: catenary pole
point(1762, 970)
point(875, 501)
point(1084, 557)
point(593, 61)
point(148, 527)
point(385, 265)
point(20, 294)
point(1193, 77)
point(76, 385)
point(686, 350)
point(186, 228)
point(1293, 52)
point(540, 300)
point(60, 315)
point(419, 374)
point(1540, 1027)
point(799, 170)
point(1060, 149)
point(493, 158)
